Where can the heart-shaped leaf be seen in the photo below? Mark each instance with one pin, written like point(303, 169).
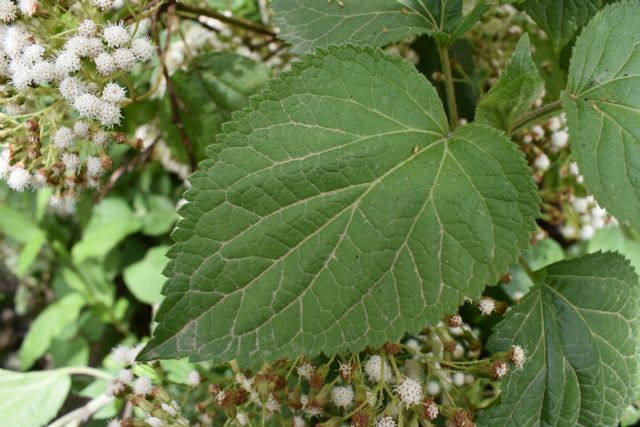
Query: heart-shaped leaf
point(579, 329)
point(337, 212)
point(602, 103)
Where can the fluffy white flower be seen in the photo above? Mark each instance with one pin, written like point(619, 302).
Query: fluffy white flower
point(542, 162)
point(94, 167)
point(63, 138)
point(560, 139)
point(125, 376)
point(272, 404)
point(385, 422)
point(20, 74)
point(433, 388)
point(517, 356)
point(143, 49)
point(7, 11)
point(242, 418)
point(87, 28)
point(113, 92)
point(43, 72)
point(431, 410)
point(103, 4)
point(116, 35)
point(410, 391)
point(105, 64)
point(100, 138)
point(373, 368)
point(71, 161)
point(94, 47)
point(124, 58)
point(538, 131)
point(71, 88)
point(27, 7)
point(486, 305)
point(342, 396)
point(15, 40)
point(33, 52)
point(124, 355)
point(19, 179)
point(142, 386)
point(306, 370)
point(67, 63)
point(109, 114)
point(88, 105)
point(81, 129)
point(39, 180)
point(194, 378)
point(554, 124)
point(298, 421)
point(77, 45)
point(587, 232)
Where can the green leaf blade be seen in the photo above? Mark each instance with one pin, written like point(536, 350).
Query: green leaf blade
point(309, 24)
point(602, 103)
point(579, 329)
point(514, 93)
point(336, 213)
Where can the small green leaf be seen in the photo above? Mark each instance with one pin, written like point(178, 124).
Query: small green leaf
point(215, 85)
point(32, 399)
point(159, 217)
point(579, 330)
point(48, 325)
point(144, 279)
point(602, 103)
point(309, 24)
point(337, 212)
point(617, 239)
point(513, 95)
point(111, 221)
point(562, 19)
point(541, 254)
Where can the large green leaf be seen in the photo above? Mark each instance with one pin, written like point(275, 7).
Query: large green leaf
point(32, 399)
point(308, 24)
point(602, 103)
point(337, 212)
point(215, 85)
point(579, 329)
point(514, 94)
point(49, 325)
point(562, 19)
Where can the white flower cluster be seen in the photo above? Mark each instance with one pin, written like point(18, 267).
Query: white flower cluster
point(385, 422)
point(592, 218)
point(409, 391)
point(342, 396)
point(373, 369)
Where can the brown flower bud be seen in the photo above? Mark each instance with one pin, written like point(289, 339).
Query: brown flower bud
point(455, 321)
point(392, 348)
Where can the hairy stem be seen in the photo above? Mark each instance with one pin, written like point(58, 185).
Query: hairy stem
point(85, 370)
point(536, 116)
point(443, 51)
point(242, 23)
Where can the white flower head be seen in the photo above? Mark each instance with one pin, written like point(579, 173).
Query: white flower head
point(385, 422)
point(33, 52)
point(298, 421)
point(103, 4)
point(342, 396)
point(306, 370)
point(272, 405)
point(71, 161)
point(373, 369)
point(499, 369)
point(409, 391)
point(63, 138)
point(142, 386)
point(67, 62)
point(109, 115)
point(124, 355)
point(517, 356)
point(71, 88)
point(125, 376)
point(87, 28)
point(81, 129)
point(19, 179)
point(27, 7)
point(94, 167)
point(43, 72)
point(194, 378)
point(542, 162)
point(39, 180)
point(242, 418)
point(431, 410)
point(124, 58)
point(113, 92)
point(560, 139)
point(8, 11)
point(100, 138)
point(116, 35)
point(143, 49)
point(15, 40)
point(105, 64)
point(486, 305)
point(88, 105)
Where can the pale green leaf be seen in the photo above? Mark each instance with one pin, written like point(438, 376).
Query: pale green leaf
point(617, 239)
point(562, 19)
point(309, 24)
point(159, 216)
point(602, 103)
point(47, 326)
point(111, 221)
point(514, 93)
point(144, 278)
point(579, 330)
point(31, 399)
point(337, 212)
point(541, 254)
point(215, 85)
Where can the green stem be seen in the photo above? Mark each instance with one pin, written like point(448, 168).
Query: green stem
point(526, 267)
point(443, 51)
point(85, 370)
point(535, 116)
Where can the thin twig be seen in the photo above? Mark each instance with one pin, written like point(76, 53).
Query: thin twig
point(536, 116)
point(242, 23)
point(82, 414)
point(140, 159)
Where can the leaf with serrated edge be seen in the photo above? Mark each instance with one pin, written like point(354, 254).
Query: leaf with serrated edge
point(308, 24)
point(514, 94)
point(336, 213)
point(602, 103)
point(579, 329)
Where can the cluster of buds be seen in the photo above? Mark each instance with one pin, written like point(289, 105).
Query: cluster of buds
point(61, 99)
